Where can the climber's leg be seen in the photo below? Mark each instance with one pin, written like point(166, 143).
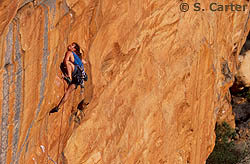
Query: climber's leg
point(66, 95)
point(64, 98)
point(70, 68)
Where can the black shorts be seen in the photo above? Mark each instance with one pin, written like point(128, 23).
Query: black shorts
point(74, 81)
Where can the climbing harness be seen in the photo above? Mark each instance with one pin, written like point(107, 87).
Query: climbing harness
point(79, 75)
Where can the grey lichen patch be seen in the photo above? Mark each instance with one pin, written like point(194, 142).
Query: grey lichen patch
point(49, 5)
point(216, 111)
point(18, 98)
point(65, 6)
point(6, 92)
point(52, 6)
point(43, 78)
point(9, 40)
point(25, 141)
point(27, 147)
point(44, 61)
point(226, 72)
point(5, 114)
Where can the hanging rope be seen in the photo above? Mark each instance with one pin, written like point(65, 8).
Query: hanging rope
point(47, 118)
point(60, 126)
point(48, 156)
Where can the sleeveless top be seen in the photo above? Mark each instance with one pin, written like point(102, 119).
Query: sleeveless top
point(77, 60)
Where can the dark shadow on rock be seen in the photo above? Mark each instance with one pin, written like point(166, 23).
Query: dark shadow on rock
point(54, 110)
point(242, 112)
point(82, 105)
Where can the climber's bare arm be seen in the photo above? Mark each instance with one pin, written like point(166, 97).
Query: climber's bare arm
point(83, 56)
point(84, 61)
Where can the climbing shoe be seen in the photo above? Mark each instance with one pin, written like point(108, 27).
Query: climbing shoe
point(67, 79)
point(56, 109)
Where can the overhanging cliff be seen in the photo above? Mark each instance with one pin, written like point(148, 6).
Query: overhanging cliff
point(158, 80)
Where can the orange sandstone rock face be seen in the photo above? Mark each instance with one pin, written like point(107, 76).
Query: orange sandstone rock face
point(158, 80)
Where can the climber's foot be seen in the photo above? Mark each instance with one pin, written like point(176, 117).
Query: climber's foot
point(55, 109)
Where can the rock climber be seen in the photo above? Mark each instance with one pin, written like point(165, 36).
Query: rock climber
point(73, 62)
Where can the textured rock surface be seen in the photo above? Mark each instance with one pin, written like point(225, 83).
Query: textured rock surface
point(159, 80)
point(243, 74)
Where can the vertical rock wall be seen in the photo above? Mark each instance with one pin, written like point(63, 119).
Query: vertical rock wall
point(158, 80)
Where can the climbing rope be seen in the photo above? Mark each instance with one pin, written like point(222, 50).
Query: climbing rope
point(48, 156)
point(59, 141)
point(47, 139)
point(60, 126)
